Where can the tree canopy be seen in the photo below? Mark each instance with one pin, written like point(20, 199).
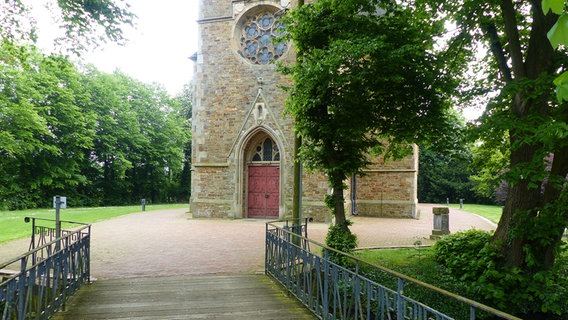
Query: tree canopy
point(368, 82)
point(372, 77)
point(526, 123)
point(534, 124)
point(100, 139)
point(84, 24)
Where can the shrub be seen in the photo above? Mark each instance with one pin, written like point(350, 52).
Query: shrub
point(470, 257)
point(460, 253)
point(342, 240)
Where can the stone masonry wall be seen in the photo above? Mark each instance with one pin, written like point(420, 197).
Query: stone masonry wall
point(226, 88)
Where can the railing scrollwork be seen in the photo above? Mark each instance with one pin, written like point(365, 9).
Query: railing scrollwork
point(38, 283)
point(349, 290)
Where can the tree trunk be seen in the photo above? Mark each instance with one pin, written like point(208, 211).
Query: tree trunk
point(520, 201)
point(557, 193)
point(522, 215)
point(533, 217)
point(336, 180)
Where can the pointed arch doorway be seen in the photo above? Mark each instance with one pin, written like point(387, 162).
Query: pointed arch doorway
point(263, 195)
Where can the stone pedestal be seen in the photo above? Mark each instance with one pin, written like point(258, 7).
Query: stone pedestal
point(441, 222)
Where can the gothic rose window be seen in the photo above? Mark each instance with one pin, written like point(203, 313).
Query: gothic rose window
point(257, 39)
point(266, 150)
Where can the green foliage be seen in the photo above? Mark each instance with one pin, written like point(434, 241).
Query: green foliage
point(459, 250)
point(92, 22)
point(96, 138)
point(184, 99)
point(421, 267)
point(489, 164)
point(561, 83)
point(86, 24)
point(541, 233)
point(558, 35)
point(340, 239)
point(557, 6)
point(523, 120)
point(364, 79)
point(447, 174)
point(471, 258)
point(445, 167)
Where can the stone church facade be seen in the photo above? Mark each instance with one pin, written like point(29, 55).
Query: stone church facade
point(242, 154)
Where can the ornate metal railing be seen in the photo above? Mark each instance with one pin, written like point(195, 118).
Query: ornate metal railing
point(355, 289)
point(38, 283)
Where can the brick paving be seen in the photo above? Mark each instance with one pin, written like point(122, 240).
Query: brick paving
point(172, 243)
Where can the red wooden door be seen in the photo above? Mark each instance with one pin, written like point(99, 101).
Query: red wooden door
point(263, 192)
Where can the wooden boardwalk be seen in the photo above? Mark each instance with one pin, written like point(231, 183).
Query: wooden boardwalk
point(250, 297)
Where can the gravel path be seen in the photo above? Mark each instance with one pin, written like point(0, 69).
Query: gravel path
point(170, 242)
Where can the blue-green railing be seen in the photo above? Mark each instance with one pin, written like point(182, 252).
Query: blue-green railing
point(38, 283)
point(332, 291)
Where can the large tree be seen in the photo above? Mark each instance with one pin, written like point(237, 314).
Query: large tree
point(44, 128)
point(97, 138)
point(367, 84)
point(521, 65)
point(139, 139)
point(185, 99)
point(524, 122)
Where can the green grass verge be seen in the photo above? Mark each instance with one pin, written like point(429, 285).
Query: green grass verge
point(421, 265)
point(418, 264)
point(12, 225)
point(492, 213)
point(398, 258)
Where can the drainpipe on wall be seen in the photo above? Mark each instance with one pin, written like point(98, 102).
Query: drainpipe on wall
point(354, 195)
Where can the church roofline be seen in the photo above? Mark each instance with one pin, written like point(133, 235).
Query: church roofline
point(214, 19)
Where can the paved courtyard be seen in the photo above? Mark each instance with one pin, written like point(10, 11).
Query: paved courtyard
point(171, 242)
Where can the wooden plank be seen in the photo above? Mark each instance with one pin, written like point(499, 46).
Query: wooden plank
point(250, 297)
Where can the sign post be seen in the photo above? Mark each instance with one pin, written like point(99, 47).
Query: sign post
point(58, 203)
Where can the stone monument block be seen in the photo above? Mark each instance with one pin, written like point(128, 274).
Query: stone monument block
point(441, 222)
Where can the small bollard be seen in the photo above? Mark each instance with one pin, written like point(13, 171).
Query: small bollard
point(441, 222)
point(143, 204)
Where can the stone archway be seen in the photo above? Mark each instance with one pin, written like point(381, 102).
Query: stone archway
point(262, 178)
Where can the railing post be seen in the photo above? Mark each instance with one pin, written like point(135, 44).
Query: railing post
point(266, 244)
point(32, 243)
point(57, 222)
point(399, 304)
point(33, 235)
point(326, 290)
point(325, 276)
point(87, 249)
point(22, 289)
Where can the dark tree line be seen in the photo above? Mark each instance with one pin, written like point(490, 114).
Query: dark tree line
point(97, 138)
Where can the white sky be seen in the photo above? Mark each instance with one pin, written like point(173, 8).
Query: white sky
point(158, 49)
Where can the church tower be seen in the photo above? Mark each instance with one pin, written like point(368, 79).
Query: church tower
point(242, 143)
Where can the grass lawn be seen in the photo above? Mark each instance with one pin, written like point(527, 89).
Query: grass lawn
point(492, 213)
point(12, 225)
point(396, 258)
point(421, 265)
point(418, 264)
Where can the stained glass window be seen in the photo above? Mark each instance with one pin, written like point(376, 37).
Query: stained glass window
point(266, 150)
point(256, 43)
